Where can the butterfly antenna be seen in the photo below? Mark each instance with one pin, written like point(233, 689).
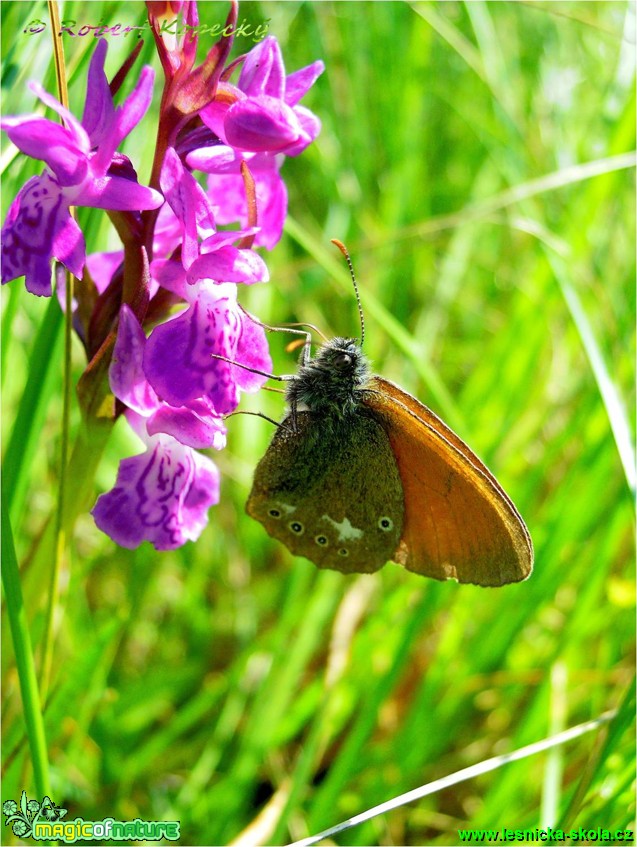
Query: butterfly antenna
point(343, 250)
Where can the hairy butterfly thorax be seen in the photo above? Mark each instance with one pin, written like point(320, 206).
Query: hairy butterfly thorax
point(330, 384)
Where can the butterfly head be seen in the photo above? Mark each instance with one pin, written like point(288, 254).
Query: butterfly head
point(330, 382)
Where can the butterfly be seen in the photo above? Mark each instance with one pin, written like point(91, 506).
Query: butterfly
point(359, 472)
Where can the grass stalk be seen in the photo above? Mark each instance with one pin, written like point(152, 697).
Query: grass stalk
point(460, 776)
point(31, 702)
point(61, 538)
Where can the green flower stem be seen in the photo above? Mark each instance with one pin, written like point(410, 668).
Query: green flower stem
point(24, 658)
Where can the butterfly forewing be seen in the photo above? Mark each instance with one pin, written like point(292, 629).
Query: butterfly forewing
point(331, 491)
point(458, 521)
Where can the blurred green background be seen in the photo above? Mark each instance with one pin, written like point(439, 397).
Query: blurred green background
point(474, 158)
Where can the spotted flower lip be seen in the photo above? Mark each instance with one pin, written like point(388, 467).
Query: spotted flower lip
point(178, 360)
point(38, 228)
point(162, 496)
point(78, 156)
point(195, 424)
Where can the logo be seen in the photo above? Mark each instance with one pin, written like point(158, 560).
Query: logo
point(24, 817)
point(43, 822)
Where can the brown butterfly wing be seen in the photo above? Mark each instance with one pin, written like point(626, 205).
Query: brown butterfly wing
point(330, 491)
point(459, 523)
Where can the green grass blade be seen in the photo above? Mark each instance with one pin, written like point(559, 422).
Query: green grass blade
point(23, 442)
point(613, 403)
point(24, 658)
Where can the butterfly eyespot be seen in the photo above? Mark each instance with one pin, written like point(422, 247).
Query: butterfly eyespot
point(296, 527)
point(274, 513)
point(343, 552)
point(322, 540)
point(386, 524)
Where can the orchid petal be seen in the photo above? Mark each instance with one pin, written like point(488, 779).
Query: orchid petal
point(194, 425)
point(161, 496)
point(54, 144)
point(125, 118)
point(118, 193)
point(253, 352)
point(225, 238)
point(126, 377)
point(217, 159)
point(178, 360)
point(99, 111)
point(298, 83)
point(102, 267)
point(229, 264)
point(189, 202)
point(272, 199)
point(70, 121)
point(171, 276)
point(263, 71)
point(261, 124)
point(310, 128)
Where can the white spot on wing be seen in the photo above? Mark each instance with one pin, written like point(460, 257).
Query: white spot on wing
point(285, 508)
point(346, 532)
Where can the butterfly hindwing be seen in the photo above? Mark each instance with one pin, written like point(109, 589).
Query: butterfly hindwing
point(458, 521)
point(331, 491)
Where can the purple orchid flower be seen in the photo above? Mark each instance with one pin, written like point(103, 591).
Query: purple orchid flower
point(225, 182)
point(214, 258)
point(178, 359)
point(183, 221)
point(195, 425)
point(258, 122)
point(83, 169)
point(265, 117)
point(161, 496)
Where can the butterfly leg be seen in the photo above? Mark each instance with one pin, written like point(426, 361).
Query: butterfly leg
point(280, 377)
point(254, 414)
point(293, 330)
point(306, 355)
